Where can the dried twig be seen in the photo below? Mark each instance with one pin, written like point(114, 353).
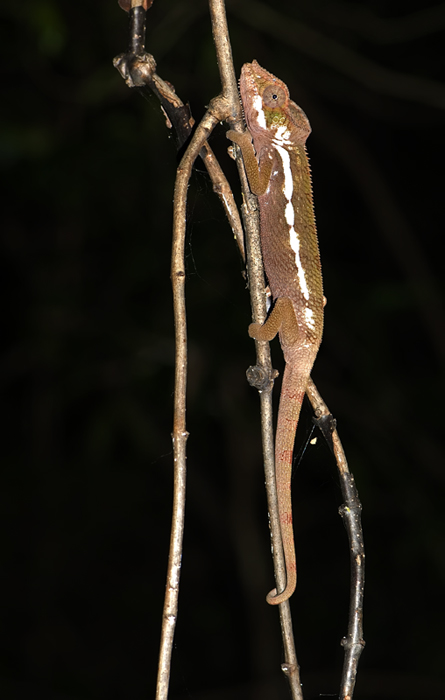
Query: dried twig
point(262, 375)
point(138, 68)
point(350, 511)
point(210, 120)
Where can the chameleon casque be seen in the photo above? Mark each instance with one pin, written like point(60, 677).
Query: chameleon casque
point(278, 172)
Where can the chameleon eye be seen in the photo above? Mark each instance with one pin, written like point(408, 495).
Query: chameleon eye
point(274, 96)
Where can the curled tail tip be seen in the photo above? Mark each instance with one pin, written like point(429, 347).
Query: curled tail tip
point(271, 597)
point(274, 599)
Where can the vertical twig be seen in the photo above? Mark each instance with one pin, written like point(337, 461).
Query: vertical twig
point(179, 437)
point(261, 376)
point(350, 511)
point(137, 28)
point(217, 111)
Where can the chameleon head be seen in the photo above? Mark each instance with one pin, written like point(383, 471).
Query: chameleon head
point(272, 109)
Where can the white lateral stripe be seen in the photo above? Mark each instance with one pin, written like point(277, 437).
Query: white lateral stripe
point(289, 214)
point(309, 316)
point(258, 105)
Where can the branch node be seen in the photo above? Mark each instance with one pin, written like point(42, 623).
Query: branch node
point(138, 70)
point(260, 378)
point(348, 643)
point(326, 423)
point(219, 107)
point(288, 669)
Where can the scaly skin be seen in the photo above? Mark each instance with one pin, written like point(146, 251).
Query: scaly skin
point(278, 171)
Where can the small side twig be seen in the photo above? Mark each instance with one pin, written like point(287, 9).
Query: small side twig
point(350, 511)
point(262, 375)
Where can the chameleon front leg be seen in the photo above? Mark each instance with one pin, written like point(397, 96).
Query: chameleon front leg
point(257, 175)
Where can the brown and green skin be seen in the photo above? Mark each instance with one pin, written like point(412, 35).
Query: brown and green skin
point(278, 172)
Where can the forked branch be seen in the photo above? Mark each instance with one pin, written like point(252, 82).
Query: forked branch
point(139, 70)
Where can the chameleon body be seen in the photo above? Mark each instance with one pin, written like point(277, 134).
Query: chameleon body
point(278, 172)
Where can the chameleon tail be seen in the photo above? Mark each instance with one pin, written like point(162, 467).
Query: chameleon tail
point(295, 379)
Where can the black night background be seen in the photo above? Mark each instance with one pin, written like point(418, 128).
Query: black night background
point(88, 170)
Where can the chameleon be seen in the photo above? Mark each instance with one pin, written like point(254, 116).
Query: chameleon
point(278, 173)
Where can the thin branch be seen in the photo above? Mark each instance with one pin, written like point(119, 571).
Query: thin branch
point(350, 511)
point(218, 110)
point(179, 437)
point(138, 69)
point(262, 375)
point(262, 378)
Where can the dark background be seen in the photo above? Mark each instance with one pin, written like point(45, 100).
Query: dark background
point(88, 168)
